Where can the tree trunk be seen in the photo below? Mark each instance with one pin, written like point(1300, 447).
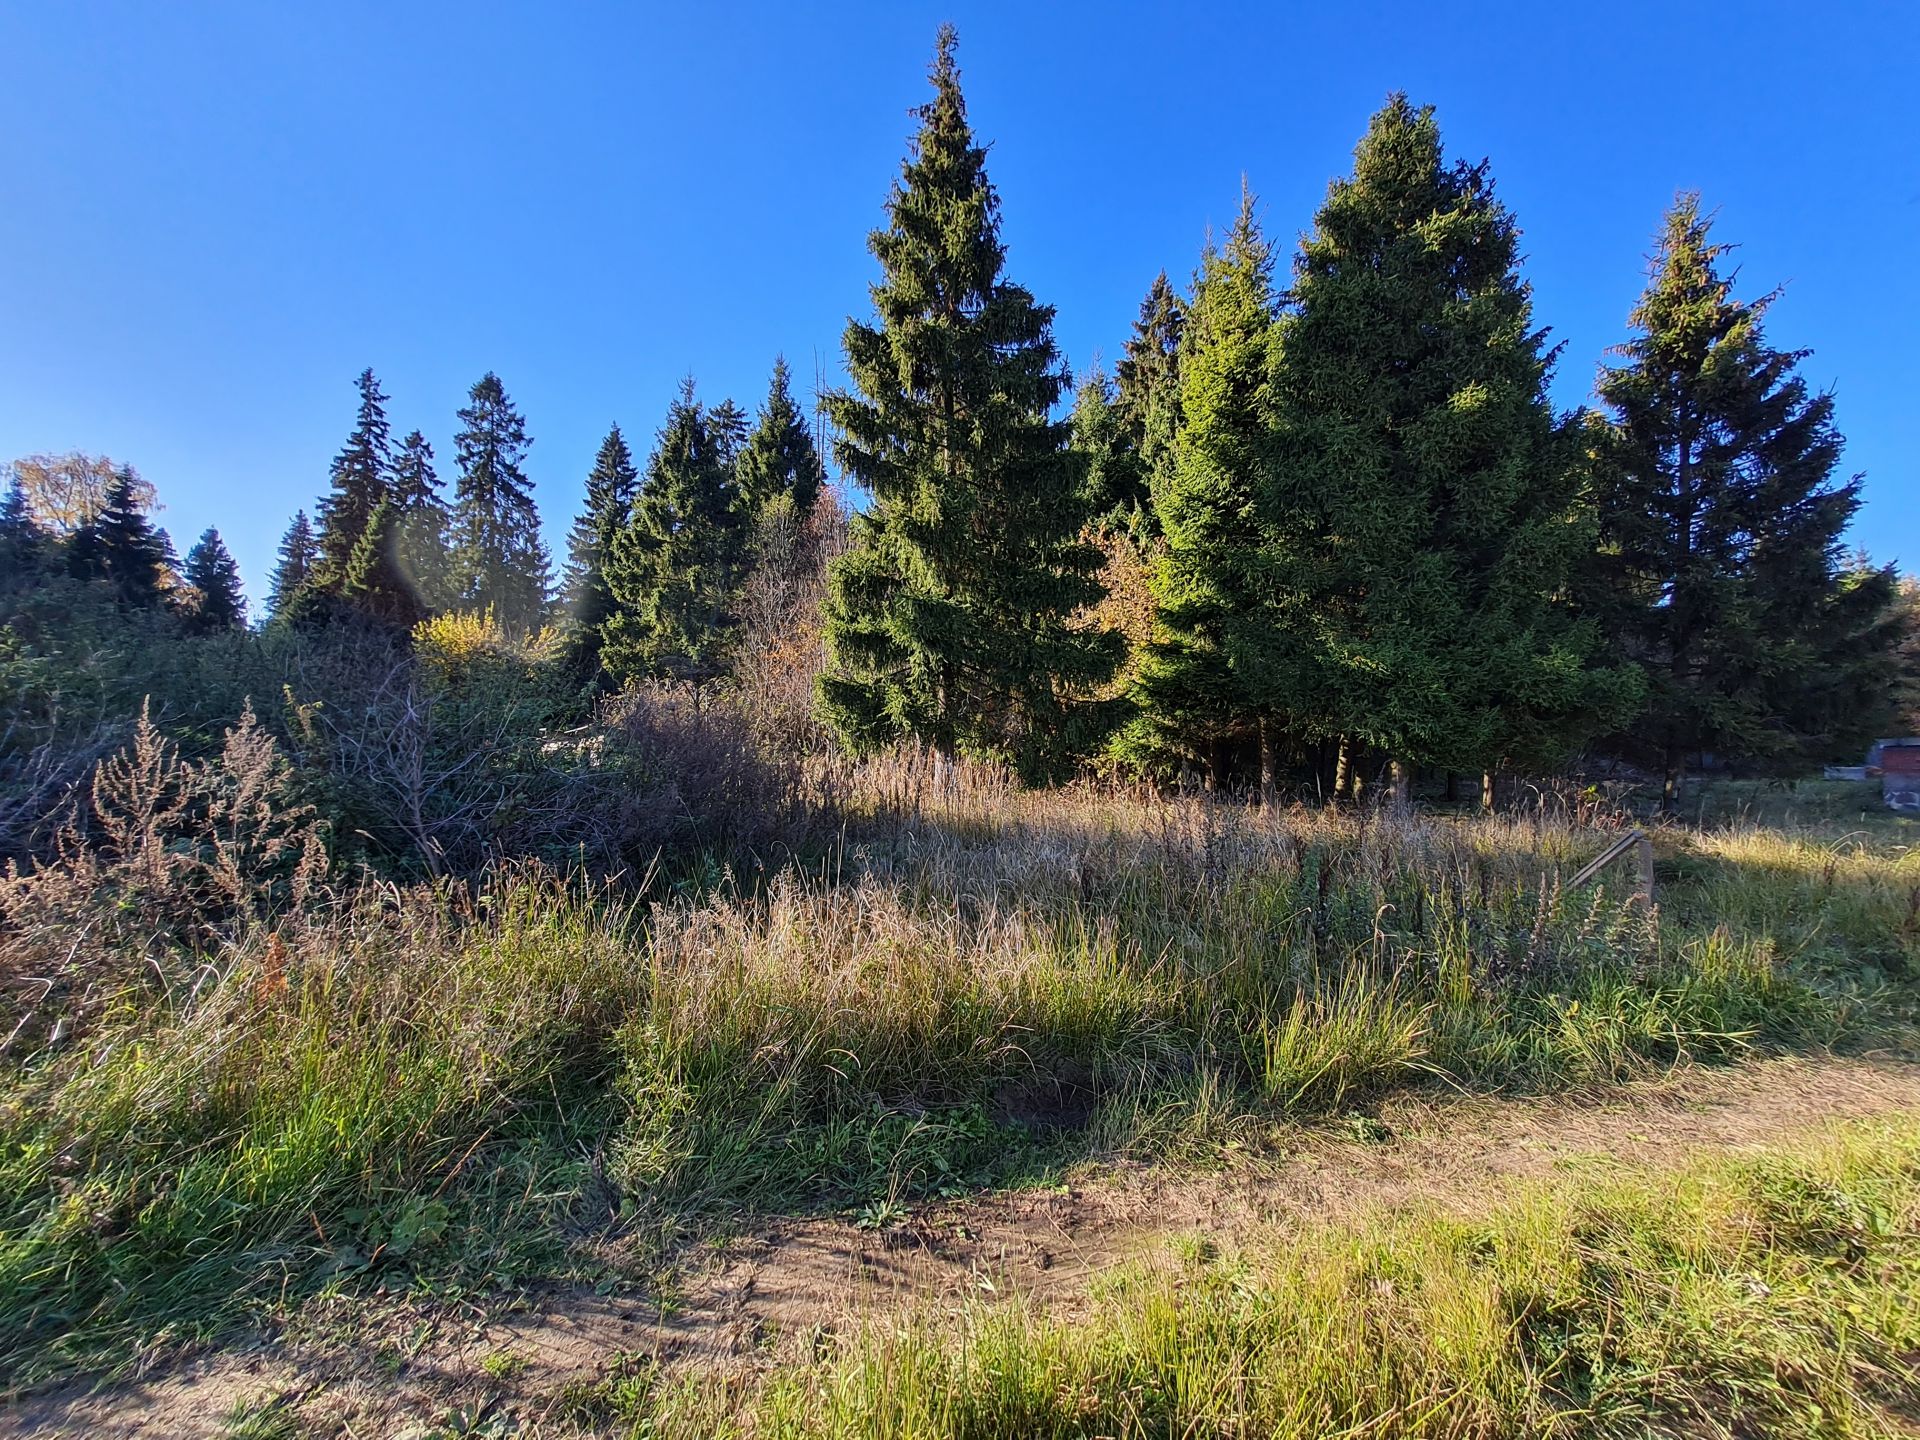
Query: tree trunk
point(1269, 760)
point(1343, 771)
point(1676, 772)
point(1398, 777)
point(1486, 790)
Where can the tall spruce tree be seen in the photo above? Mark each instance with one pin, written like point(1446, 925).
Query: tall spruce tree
point(1147, 390)
point(672, 570)
point(780, 459)
point(1426, 511)
point(499, 561)
point(1722, 564)
point(219, 603)
point(421, 524)
point(1207, 593)
point(611, 487)
point(948, 618)
point(294, 567)
point(121, 547)
point(359, 480)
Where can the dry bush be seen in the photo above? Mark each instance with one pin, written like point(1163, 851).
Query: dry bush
point(167, 857)
point(692, 755)
point(779, 650)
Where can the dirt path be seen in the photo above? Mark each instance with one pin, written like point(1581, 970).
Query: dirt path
point(776, 1291)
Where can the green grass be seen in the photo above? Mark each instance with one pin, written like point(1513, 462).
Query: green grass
point(1775, 1296)
point(412, 1089)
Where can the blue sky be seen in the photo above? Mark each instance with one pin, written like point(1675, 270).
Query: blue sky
point(212, 216)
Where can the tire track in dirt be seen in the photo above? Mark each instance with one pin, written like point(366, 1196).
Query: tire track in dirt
point(774, 1292)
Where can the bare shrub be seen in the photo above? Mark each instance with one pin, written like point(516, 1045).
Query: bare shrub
point(779, 650)
point(167, 857)
point(694, 752)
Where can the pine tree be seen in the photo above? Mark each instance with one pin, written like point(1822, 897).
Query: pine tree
point(219, 603)
point(298, 552)
point(499, 561)
point(671, 571)
point(1147, 394)
point(948, 616)
point(377, 583)
point(779, 458)
point(1206, 589)
point(611, 487)
point(1723, 570)
point(421, 524)
point(121, 547)
point(360, 479)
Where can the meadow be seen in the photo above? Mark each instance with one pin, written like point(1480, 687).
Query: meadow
point(229, 1102)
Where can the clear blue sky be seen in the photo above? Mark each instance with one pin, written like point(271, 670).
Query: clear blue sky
point(212, 216)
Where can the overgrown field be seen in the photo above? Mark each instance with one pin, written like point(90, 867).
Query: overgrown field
point(223, 1097)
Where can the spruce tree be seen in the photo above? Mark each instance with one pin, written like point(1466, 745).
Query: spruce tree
point(359, 481)
point(422, 522)
point(1115, 481)
point(780, 459)
point(611, 486)
point(499, 561)
point(1723, 572)
point(1147, 392)
point(727, 433)
point(298, 552)
point(377, 583)
point(219, 602)
point(948, 618)
point(25, 548)
point(1426, 510)
point(1207, 593)
point(672, 569)
point(121, 547)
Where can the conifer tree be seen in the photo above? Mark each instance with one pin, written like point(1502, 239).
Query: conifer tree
point(779, 458)
point(948, 616)
point(1147, 393)
point(219, 602)
point(298, 552)
point(1426, 511)
point(611, 487)
point(1207, 593)
point(24, 547)
point(1721, 520)
point(672, 569)
point(121, 547)
point(1116, 491)
point(499, 561)
point(377, 584)
point(727, 433)
point(421, 524)
point(359, 480)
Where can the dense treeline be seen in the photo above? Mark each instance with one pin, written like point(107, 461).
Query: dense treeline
point(1321, 528)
